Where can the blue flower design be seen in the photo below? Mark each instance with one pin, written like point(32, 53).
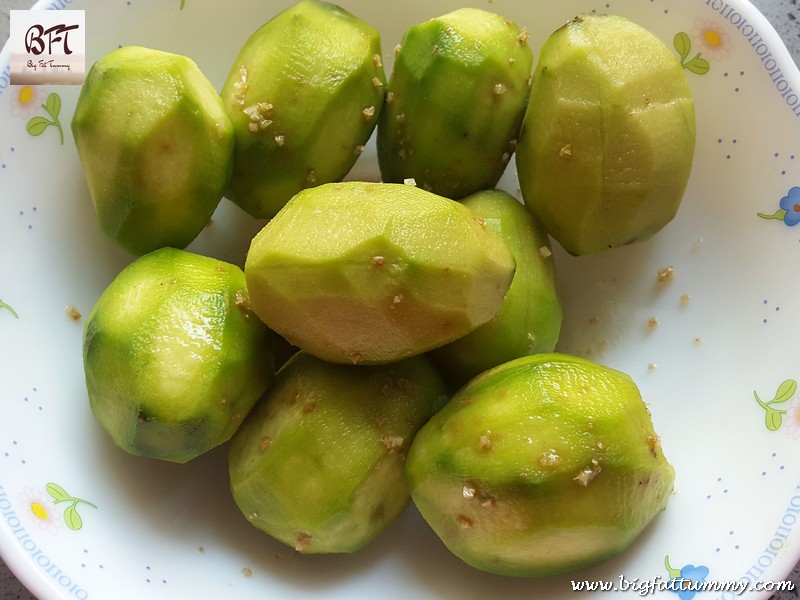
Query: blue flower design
point(682, 580)
point(691, 574)
point(791, 204)
point(789, 211)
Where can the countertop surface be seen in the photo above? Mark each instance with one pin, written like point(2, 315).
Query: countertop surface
point(784, 16)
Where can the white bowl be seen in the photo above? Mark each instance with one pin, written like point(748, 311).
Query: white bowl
point(80, 519)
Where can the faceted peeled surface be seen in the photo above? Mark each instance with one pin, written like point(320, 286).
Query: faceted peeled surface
point(156, 147)
point(543, 465)
point(455, 103)
point(304, 95)
point(530, 318)
point(174, 358)
point(370, 273)
point(609, 134)
point(319, 463)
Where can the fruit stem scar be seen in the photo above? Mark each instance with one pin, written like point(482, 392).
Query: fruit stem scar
point(303, 541)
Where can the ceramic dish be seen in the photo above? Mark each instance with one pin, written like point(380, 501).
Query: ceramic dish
point(712, 345)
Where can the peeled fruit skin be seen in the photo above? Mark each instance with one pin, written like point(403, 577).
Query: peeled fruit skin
point(156, 147)
point(608, 140)
point(319, 462)
point(372, 273)
point(542, 466)
point(174, 357)
point(529, 321)
point(455, 103)
point(304, 95)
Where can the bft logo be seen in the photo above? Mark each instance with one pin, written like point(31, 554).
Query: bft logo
point(38, 39)
point(47, 47)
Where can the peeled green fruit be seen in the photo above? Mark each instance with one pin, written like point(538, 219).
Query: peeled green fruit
point(174, 358)
point(156, 147)
point(455, 102)
point(529, 321)
point(304, 95)
point(370, 273)
point(319, 462)
point(608, 140)
point(544, 465)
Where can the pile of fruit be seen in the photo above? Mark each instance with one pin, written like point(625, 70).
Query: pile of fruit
point(393, 341)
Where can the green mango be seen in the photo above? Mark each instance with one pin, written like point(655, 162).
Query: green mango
point(156, 147)
point(608, 140)
point(304, 95)
point(455, 103)
point(174, 357)
point(319, 462)
point(529, 320)
point(541, 466)
point(371, 273)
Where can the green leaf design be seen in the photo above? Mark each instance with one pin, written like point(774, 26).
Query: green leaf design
point(683, 44)
point(183, 3)
point(778, 215)
point(698, 65)
point(37, 125)
point(773, 419)
point(785, 391)
point(9, 309)
point(72, 518)
point(53, 105)
point(673, 573)
point(58, 493)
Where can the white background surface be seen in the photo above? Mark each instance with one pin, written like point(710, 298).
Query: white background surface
point(784, 16)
